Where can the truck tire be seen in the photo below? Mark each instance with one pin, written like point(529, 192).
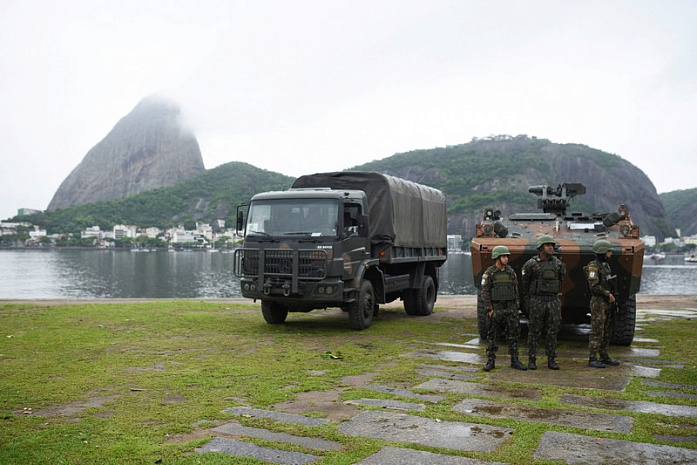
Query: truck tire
point(361, 311)
point(274, 313)
point(625, 322)
point(420, 301)
point(481, 318)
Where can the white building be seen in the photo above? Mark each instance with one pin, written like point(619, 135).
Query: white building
point(649, 241)
point(152, 233)
point(92, 231)
point(121, 231)
point(36, 233)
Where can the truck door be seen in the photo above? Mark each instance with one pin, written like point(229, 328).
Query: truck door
point(354, 241)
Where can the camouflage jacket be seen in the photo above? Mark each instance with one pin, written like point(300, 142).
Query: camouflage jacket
point(531, 273)
point(598, 273)
point(488, 278)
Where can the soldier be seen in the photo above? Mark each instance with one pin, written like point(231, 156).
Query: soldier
point(500, 296)
point(603, 304)
point(542, 278)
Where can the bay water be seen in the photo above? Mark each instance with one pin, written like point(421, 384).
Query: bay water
point(90, 274)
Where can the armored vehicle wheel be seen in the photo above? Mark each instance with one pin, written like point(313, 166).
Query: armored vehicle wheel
point(420, 301)
point(274, 313)
point(481, 317)
point(625, 321)
point(361, 311)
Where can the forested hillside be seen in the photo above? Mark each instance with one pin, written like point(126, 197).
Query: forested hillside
point(497, 173)
point(476, 175)
point(681, 208)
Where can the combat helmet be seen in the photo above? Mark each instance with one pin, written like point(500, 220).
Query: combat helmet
point(546, 239)
point(601, 246)
point(498, 251)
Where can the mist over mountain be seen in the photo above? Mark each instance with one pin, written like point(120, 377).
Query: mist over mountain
point(147, 149)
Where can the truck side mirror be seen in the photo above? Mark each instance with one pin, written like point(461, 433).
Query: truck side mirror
point(240, 220)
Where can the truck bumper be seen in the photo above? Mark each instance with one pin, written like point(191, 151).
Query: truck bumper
point(329, 291)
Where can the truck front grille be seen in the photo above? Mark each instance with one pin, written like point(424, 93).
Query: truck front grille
point(311, 264)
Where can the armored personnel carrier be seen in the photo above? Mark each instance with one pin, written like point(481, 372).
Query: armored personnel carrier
point(574, 235)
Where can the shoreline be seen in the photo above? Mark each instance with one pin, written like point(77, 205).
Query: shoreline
point(443, 301)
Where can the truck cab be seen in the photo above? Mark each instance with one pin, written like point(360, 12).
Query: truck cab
point(313, 247)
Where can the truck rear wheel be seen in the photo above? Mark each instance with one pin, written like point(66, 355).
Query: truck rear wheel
point(274, 313)
point(420, 301)
point(625, 322)
point(361, 311)
point(481, 317)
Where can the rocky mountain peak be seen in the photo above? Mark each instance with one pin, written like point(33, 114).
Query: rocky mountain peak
point(147, 149)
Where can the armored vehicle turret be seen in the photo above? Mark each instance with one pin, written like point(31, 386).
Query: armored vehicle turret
point(574, 234)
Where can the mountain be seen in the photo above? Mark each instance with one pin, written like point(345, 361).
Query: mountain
point(210, 195)
point(147, 149)
point(474, 176)
point(681, 208)
point(496, 172)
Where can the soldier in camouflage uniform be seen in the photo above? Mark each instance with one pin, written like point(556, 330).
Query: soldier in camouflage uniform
point(542, 278)
point(500, 297)
point(603, 304)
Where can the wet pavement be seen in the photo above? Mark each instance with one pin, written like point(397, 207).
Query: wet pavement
point(404, 426)
point(588, 450)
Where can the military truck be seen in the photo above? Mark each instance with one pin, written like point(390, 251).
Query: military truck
point(574, 235)
point(352, 240)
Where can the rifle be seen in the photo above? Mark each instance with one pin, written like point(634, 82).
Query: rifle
point(614, 306)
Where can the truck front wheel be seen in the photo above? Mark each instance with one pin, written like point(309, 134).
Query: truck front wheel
point(362, 309)
point(420, 301)
point(274, 313)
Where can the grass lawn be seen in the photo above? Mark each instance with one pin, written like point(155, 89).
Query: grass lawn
point(133, 382)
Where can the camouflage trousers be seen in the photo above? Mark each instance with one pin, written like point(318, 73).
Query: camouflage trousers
point(503, 323)
point(543, 313)
point(602, 318)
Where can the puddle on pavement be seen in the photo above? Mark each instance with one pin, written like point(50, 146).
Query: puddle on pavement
point(478, 389)
point(448, 356)
point(631, 405)
point(570, 418)
point(646, 313)
point(450, 344)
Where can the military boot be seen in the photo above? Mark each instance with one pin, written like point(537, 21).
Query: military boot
point(531, 363)
point(595, 363)
point(490, 365)
point(551, 364)
point(515, 363)
point(605, 358)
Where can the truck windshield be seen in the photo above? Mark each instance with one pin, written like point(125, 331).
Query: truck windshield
point(293, 217)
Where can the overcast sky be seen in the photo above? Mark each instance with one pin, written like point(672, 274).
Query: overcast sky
point(308, 86)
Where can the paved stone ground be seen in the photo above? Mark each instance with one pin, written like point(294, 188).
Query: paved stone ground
point(572, 418)
point(397, 420)
point(425, 431)
point(588, 450)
